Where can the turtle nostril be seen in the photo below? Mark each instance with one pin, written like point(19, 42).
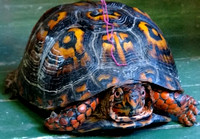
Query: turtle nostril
point(134, 97)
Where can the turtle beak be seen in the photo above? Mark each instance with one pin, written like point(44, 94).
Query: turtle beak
point(133, 101)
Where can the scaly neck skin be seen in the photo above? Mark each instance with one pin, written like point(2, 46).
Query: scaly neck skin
point(102, 110)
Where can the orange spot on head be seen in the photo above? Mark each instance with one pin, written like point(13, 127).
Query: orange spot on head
point(81, 88)
point(120, 111)
point(61, 16)
point(129, 101)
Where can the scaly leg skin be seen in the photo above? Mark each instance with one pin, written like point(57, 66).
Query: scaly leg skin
point(71, 118)
point(11, 84)
point(180, 105)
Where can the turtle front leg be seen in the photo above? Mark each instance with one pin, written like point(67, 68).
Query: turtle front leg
point(71, 118)
point(180, 105)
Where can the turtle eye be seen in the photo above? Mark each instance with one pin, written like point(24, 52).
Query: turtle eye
point(143, 93)
point(118, 93)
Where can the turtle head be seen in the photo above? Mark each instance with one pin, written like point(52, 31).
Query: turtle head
point(127, 103)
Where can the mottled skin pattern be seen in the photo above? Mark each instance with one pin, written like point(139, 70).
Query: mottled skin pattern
point(68, 65)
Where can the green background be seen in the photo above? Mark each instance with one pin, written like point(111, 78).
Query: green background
point(178, 19)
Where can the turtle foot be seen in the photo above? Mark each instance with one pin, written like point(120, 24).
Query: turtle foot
point(72, 117)
point(190, 111)
point(10, 84)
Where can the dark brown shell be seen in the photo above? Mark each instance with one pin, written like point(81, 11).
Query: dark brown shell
point(68, 56)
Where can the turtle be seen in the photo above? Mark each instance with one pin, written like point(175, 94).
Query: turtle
point(100, 75)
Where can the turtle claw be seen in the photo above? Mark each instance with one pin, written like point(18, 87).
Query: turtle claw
point(53, 114)
point(188, 117)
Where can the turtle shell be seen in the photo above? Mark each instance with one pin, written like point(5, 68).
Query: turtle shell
point(69, 56)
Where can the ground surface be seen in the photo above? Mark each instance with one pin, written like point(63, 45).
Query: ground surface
point(178, 19)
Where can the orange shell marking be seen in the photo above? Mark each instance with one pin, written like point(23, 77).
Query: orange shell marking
point(64, 100)
point(41, 35)
point(139, 11)
point(120, 44)
point(85, 96)
point(101, 16)
point(103, 77)
point(70, 52)
point(160, 44)
point(81, 88)
point(61, 16)
point(115, 80)
point(79, 36)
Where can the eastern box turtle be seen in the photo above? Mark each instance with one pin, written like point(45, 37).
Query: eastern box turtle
point(70, 64)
